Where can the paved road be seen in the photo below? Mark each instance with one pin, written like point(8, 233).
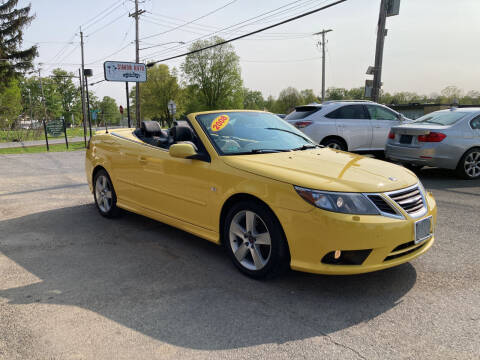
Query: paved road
point(74, 285)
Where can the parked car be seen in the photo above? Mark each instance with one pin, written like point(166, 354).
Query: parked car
point(268, 193)
point(360, 126)
point(131, 75)
point(447, 139)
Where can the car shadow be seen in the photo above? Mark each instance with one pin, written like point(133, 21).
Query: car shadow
point(177, 288)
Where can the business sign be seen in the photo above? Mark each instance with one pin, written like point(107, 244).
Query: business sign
point(55, 127)
point(124, 71)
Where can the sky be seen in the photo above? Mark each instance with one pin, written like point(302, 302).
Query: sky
point(431, 44)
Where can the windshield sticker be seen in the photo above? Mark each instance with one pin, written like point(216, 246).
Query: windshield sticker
point(219, 122)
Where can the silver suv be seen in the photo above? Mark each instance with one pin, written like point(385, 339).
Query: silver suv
point(361, 126)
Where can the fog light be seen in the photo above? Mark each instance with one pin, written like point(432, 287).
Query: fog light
point(337, 254)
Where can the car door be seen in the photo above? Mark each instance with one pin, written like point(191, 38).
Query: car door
point(353, 125)
point(126, 167)
point(178, 188)
point(382, 119)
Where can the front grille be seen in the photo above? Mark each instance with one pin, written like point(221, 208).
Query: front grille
point(410, 200)
point(381, 204)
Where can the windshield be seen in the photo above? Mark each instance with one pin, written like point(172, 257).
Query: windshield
point(235, 133)
point(301, 112)
point(441, 118)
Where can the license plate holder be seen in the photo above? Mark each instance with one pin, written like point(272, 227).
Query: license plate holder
point(406, 139)
point(423, 229)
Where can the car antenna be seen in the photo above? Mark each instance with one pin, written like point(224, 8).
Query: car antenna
point(106, 127)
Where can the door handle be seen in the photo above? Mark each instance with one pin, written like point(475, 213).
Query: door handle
point(142, 160)
point(377, 127)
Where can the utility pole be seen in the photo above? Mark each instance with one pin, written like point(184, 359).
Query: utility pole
point(82, 94)
point(43, 94)
point(82, 86)
point(136, 14)
point(322, 44)
point(381, 33)
point(44, 108)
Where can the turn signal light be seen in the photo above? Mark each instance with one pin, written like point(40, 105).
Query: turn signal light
point(302, 124)
point(391, 135)
point(432, 137)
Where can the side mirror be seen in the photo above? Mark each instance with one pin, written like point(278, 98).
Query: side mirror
point(183, 151)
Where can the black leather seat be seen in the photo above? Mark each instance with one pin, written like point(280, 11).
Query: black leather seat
point(153, 134)
point(181, 134)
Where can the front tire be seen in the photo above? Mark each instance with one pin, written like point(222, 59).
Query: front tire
point(255, 241)
point(336, 144)
point(104, 195)
point(469, 165)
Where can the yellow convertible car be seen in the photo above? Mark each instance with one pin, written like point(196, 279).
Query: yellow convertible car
point(255, 184)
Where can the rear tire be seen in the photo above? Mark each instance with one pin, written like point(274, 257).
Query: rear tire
point(469, 165)
point(254, 239)
point(334, 143)
point(104, 195)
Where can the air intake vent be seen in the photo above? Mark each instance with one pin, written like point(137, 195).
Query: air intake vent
point(381, 204)
point(410, 200)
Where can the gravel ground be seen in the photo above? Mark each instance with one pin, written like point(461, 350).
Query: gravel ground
point(74, 285)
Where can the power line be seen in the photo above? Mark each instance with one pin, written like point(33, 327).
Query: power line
point(281, 61)
point(115, 5)
point(251, 33)
point(235, 27)
point(110, 23)
point(192, 21)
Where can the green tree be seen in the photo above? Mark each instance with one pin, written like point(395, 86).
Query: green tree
point(12, 23)
point(357, 93)
point(288, 99)
point(216, 74)
point(253, 100)
point(308, 96)
point(451, 94)
point(69, 93)
point(161, 87)
point(271, 104)
point(334, 93)
point(108, 111)
point(33, 101)
point(10, 104)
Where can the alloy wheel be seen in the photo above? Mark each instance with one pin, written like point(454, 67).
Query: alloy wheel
point(334, 146)
point(250, 240)
point(103, 193)
point(472, 164)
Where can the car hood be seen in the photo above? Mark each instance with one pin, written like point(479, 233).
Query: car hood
point(326, 169)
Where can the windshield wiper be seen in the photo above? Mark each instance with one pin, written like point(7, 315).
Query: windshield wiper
point(290, 132)
point(260, 151)
point(306, 147)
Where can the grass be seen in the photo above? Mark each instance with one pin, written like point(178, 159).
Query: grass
point(37, 149)
point(28, 135)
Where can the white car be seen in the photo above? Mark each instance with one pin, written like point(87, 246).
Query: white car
point(360, 126)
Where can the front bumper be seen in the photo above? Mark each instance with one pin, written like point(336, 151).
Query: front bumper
point(427, 155)
point(314, 234)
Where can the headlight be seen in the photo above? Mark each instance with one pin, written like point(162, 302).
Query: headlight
point(347, 203)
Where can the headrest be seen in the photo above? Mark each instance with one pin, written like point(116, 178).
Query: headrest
point(182, 133)
point(151, 128)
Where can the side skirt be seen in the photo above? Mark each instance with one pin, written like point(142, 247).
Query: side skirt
point(180, 224)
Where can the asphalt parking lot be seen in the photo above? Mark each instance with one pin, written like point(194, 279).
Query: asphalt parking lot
point(74, 285)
